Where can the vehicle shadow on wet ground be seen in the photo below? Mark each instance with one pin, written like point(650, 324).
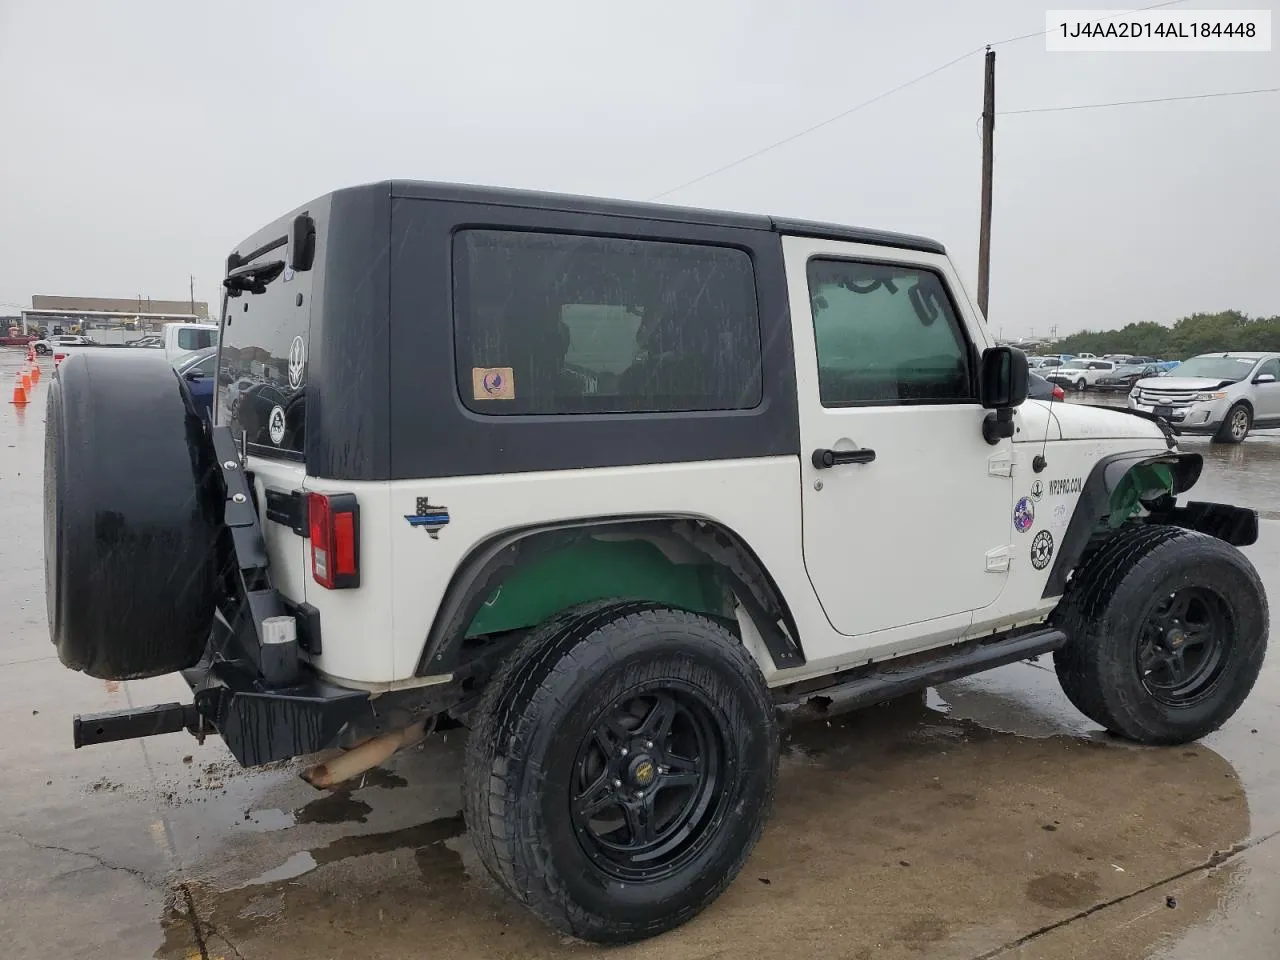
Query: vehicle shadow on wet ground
point(896, 832)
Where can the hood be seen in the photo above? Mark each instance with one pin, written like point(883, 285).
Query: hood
point(1182, 383)
point(1077, 421)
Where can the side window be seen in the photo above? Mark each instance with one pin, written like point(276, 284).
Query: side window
point(887, 335)
point(563, 324)
point(194, 339)
point(208, 366)
point(1272, 367)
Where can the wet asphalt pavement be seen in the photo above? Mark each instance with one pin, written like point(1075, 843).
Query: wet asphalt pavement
point(986, 819)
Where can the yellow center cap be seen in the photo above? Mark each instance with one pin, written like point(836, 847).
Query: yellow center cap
point(644, 772)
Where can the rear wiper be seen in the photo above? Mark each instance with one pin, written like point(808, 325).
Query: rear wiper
point(253, 277)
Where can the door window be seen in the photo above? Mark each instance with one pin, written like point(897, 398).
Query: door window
point(1272, 367)
point(886, 335)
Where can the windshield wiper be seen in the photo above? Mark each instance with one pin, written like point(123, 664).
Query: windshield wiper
point(253, 277)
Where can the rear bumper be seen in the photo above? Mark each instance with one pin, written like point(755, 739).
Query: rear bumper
point(258, 725)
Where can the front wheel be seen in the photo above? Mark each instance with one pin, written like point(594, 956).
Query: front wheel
point(1236, 426)
point(42, 349)
point(621, 770)
point(1081, 384)
point(1167, 633)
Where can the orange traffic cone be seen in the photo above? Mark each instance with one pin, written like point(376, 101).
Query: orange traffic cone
point(25, 376)
point(35, 373)
point(19, 392)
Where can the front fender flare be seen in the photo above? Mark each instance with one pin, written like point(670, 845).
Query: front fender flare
point(1095, 499)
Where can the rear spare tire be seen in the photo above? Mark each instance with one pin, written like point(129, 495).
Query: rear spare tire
point(132, 511)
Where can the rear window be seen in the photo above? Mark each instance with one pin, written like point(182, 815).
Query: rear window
point(262, 371)
point(563, 324)
point(189, 340)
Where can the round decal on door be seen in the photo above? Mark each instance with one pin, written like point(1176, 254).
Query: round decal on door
point(1024, 515)
point(275, 425)
point(1042, 549)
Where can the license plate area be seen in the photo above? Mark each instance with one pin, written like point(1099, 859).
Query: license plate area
point(1163, 411)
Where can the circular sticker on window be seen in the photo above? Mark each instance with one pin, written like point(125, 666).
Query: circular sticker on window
point(275, 425)
point(297, 362)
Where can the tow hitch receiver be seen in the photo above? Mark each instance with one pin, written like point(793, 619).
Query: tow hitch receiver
point(94, 728)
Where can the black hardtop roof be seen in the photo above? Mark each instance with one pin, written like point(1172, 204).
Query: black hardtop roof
point(499, 196)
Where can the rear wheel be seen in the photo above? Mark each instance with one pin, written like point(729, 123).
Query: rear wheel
point(1081, 384)
point(1236, 426)
point(1167, 633)
point(41, 349)
point(621, 770)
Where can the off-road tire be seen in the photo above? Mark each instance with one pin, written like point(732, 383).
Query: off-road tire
point(1235, 425)
point(1109, 601)
point(529, 726)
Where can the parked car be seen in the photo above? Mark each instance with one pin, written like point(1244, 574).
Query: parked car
point(1126, 375)
point(60, 343)
point(616, 582)
point(199, 369)
point(1224, 395)
point(1080, 375)
point(1038, 388)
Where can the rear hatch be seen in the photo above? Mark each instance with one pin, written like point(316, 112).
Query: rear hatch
point(262, 378)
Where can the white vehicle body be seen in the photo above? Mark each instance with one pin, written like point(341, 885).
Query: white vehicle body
point(180, 339)
point(61, 343)
point(1080, 374)
point(847, 610)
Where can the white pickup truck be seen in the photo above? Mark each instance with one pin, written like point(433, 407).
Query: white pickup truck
point(175, 339)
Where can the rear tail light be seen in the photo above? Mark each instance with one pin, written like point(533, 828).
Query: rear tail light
point(333, 522)
point(1059, 393)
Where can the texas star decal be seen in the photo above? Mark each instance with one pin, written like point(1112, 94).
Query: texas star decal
point(430, 518)
point(1042, 549)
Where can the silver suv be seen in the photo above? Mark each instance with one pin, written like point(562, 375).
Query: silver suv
point(1224, 395)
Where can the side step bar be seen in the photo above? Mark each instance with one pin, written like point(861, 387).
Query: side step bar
point(886, 681)
point(94, 728)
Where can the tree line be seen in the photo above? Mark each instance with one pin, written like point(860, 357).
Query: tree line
point(1198, 333)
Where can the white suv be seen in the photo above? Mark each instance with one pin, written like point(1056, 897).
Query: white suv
point(614, 486)
point(1224, 395)
point(1079, 375)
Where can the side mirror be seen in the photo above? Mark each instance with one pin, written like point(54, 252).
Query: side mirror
point(193, 375)
point(1002, 385)
point(1002, 378)
point(302, 243)
point(1265, 378)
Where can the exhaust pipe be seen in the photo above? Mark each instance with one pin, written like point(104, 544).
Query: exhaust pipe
point(365, 757)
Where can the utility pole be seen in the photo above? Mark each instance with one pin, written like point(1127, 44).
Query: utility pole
point(988, 142)
point(192, 278)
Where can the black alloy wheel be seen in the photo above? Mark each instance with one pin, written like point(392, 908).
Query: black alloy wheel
point(1183, 645)
point(647, 781)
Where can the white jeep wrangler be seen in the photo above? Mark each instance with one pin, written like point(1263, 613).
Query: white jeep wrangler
point(615, 486)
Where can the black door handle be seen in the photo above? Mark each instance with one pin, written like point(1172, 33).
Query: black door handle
point(829, 458)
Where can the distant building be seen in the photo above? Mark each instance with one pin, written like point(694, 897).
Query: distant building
point(107, 313)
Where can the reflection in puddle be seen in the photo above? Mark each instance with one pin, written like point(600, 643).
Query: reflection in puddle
point(295, 866)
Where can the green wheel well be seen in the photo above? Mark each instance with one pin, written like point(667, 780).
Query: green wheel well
point(596, 569)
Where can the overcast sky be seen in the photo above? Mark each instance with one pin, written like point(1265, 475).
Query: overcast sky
point(143, 139)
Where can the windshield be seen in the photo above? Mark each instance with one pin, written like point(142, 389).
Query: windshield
point(1217, 368)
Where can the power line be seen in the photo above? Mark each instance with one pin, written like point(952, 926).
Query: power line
point(876, 99)
point(1130, 103)
point(817, 126)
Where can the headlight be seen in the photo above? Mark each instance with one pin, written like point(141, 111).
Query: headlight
point(1218, 395)
point(1135, 393)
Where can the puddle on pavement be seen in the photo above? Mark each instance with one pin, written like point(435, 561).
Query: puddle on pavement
point(899, 830)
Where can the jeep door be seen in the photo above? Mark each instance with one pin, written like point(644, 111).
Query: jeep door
point(906, 508)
